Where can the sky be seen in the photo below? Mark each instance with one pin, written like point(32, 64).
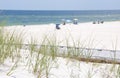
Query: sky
point(60, 4)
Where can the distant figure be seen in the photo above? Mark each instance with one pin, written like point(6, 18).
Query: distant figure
point(98, 22)
point(63, 21)
point(75, 21)
point(102, 22)
point(24, 25)
point(57, 26)
point(94, 22)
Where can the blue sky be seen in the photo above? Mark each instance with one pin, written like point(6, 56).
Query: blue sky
point(60, 4)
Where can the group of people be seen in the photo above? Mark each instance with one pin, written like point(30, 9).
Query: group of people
point(75, 21)
point(98, 22)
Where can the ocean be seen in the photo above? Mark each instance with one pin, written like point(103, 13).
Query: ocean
point(33, 17)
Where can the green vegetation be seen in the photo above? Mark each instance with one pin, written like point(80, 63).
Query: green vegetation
point(8, 49)
point(43, 57)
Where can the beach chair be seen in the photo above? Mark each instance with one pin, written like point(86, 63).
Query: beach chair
point(102, 22)
point(57, 26)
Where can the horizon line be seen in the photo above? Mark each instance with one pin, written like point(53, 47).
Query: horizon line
point(58, 10)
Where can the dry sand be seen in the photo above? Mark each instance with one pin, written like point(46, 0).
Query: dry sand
point(100, 36)
point(103, 36)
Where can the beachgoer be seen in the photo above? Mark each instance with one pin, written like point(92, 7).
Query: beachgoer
point(57, 26)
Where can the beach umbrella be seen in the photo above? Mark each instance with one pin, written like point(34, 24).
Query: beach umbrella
point(75, 19)
point(68, 21)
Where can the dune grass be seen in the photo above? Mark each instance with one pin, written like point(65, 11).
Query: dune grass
point(8, 49)
point(43, 58)
point(10, 46)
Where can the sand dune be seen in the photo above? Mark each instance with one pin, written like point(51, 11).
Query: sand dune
point(99, 36)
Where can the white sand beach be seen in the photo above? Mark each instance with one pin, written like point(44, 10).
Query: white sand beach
point(98, 36)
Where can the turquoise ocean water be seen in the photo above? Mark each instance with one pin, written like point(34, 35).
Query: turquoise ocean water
point(28, 17)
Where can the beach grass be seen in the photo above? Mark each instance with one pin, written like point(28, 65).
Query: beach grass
point(44, 57)
point(8, 49)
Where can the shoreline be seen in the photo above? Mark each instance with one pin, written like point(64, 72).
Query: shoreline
point(61, 23)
